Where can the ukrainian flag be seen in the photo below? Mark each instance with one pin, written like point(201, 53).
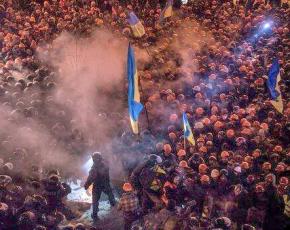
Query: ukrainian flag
point(273, 86)
point(136, 26)
point(167, 11)
point(135, 107)
point(187, 130)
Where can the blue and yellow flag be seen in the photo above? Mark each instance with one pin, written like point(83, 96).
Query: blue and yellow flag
point(136, 26)
point(187, 130)
point(135, 107)
point(273, 86)
point(167, 11)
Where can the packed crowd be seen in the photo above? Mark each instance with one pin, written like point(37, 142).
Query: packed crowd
point(237, 174)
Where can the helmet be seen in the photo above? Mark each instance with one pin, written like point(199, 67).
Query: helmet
point(284, 181)
point(97, 156)
point(214, 173)
point(127, 187)
point(222, 222)
point(230, 133)
point(167, 149)
point(172, 136)
point(54, 179)
point(270, 177)
point(205, 179)
point(225, 154)
point(53, 172)
point(3, 209)
point(256, 153)
point(202, 167)
point(155, 159)
point(280, 168)
point(278, 149)
point(224, 172)
point(259, 188)
point(181, 153)
point(267, 166)
point(183, 164)
point(245, 165)
point(27, 218)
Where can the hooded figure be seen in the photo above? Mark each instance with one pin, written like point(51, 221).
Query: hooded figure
point(100, 179)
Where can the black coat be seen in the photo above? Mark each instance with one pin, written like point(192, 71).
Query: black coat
point(98, 176)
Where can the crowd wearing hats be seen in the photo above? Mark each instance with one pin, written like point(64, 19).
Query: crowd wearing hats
point(236, 176)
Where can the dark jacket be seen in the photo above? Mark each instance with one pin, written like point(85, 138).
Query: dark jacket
point(99, 176)
point(54, 192)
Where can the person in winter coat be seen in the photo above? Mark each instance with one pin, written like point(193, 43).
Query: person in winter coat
point(129, 205)
point(100, 179)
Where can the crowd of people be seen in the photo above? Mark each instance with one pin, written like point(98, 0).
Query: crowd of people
point(210, 60)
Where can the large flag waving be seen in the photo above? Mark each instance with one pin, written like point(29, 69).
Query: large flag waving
point(187, 130)
point(273, 86)
point(167, 11)
point(135, 107)
point(136, 26)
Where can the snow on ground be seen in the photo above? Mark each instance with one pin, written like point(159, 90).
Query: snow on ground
point(78, 193)
point(110, 218)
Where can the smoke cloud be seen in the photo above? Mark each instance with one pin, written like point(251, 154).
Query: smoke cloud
point(86, 110)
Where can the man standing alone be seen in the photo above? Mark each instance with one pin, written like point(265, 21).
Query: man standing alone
point(100, 179)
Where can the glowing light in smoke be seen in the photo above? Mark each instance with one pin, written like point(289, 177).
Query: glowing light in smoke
point(266, 25)
point(79, 194)
point(87, 166)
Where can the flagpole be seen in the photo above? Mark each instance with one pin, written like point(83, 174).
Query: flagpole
point(148, 51)
point(184, 143)
point(146, 112)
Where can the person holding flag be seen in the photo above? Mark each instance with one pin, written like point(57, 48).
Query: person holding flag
point(187, 130)
point(135, 107)
point(167, 11)
point(273, 86)
point(136, 25)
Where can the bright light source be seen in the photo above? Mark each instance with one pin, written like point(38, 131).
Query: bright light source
point(267, 25)
point(87, 166)
point(184, 1)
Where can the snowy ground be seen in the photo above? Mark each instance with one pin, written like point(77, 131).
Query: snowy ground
point(79, 194)
point(110, 218)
